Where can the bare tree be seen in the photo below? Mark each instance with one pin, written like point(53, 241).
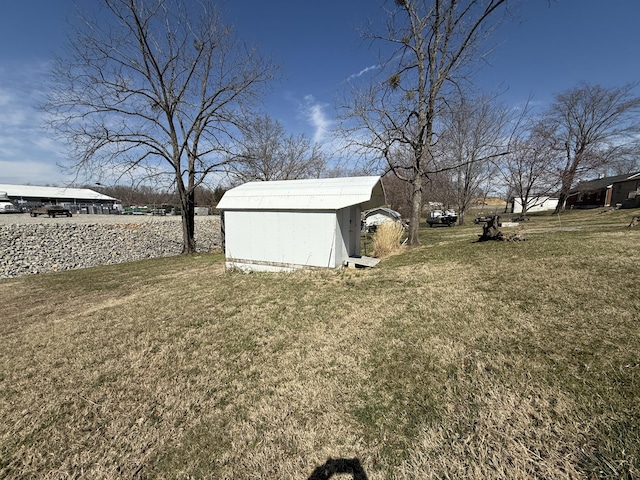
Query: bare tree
point(266, 152)
point(152, 88)
point(592, 125)
point(433, 42)
point(438, 190)
point(397, 194)
point(530, 168)
point(627, 163)
point(134, 195)
point(474, 135)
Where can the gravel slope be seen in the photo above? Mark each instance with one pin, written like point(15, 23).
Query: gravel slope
point(41, 244)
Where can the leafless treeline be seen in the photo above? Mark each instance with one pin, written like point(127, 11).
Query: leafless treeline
point(484, 149)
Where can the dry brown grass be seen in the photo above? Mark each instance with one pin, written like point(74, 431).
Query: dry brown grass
point(490, 201)
point(452, 360)
point(387, 239)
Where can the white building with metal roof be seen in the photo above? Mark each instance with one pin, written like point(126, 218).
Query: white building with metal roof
point(289, 224)
point(76, 199)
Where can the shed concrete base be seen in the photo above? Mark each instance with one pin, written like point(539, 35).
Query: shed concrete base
point(359, 262)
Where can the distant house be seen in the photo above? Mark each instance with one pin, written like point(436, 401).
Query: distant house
point(290, 224)
point(619, 190)
point(377, 216)
point(535, 204)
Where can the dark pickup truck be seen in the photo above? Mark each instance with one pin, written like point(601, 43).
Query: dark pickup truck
point(50, 210)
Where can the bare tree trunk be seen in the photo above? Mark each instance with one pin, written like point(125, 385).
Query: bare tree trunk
point(187, 211)
point(188, 222)
point(567, 180)
point(416, 210)
point(562, 198)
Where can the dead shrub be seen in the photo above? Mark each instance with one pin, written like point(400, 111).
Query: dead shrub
point(387, 239)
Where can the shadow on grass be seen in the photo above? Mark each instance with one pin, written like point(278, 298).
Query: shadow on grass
point(336, 466)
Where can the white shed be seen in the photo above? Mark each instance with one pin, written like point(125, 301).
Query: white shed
point(289, 224)
point(377, 216)
point(535, 204)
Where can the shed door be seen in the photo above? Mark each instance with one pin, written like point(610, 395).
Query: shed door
point(350, 228)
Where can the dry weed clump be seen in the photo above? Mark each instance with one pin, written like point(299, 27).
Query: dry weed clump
point(387, 239)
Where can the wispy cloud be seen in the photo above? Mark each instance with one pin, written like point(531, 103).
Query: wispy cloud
point(316, 115)
point(362, 72)
point(28, 154)
point(338, 150)
point(32, 172)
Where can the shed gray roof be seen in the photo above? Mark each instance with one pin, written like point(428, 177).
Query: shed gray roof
point(21, 191)
point(312, 194)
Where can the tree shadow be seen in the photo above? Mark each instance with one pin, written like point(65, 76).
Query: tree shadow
point(334, 466)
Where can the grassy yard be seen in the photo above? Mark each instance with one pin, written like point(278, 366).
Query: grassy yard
point(452, 360)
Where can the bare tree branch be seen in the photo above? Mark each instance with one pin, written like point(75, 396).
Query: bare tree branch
point(590, 125)
point(153, 87)
point(397, 116)
point(266, 152)
point(474, 136)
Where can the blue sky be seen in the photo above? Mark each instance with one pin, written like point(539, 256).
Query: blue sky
point(550, 47)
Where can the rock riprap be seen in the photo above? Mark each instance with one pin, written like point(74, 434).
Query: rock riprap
point(27, 248)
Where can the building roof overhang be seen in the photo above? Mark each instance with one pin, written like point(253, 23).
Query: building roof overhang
point(310, 194)
point(61, 193)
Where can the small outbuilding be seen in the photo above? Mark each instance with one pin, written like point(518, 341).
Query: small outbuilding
point(375, 217)
point(290, 224)
point(535, 204)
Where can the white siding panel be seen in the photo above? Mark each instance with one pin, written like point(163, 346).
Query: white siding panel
point(536, 204)
point(294, 238)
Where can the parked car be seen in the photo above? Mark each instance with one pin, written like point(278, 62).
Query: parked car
point(50, 210)
point(447, 218)
point(8, 207)
point(136, 210)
